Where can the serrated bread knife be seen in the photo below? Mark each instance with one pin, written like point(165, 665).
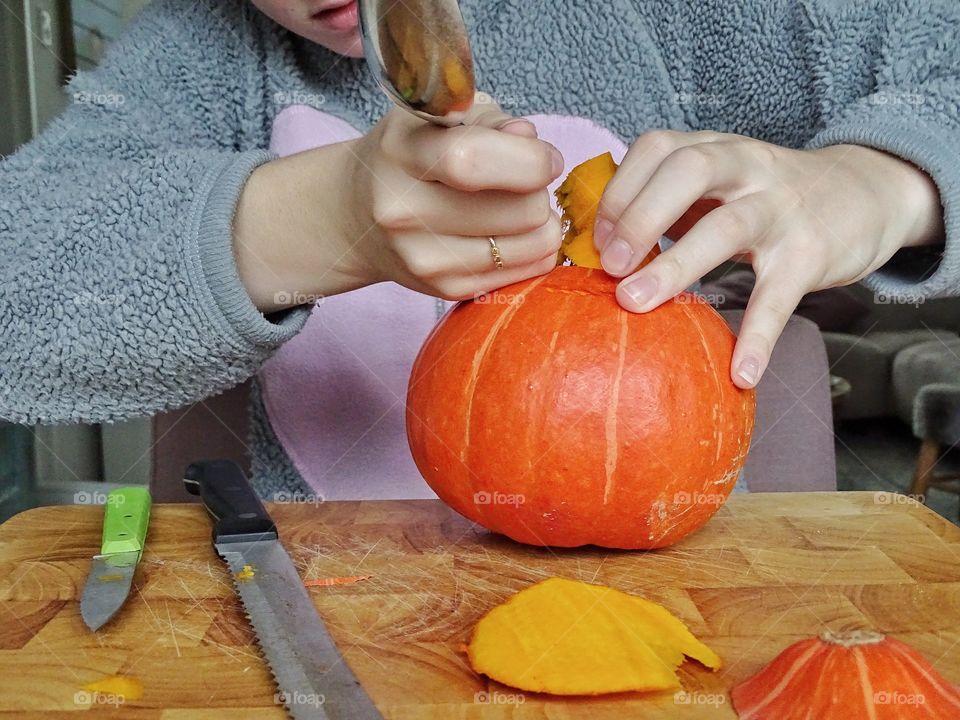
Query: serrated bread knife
point(125, 519)
point(314, 680)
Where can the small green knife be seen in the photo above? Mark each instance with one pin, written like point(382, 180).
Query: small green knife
point(125, 523)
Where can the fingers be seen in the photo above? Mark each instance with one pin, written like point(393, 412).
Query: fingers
point(479, 214)
point(774, 298)
point(618, 243)
point(462, 286)
point(437, 194)
point(430, 256)
point(473, 158)
point(487, 113)
point(515, 250)
point(496, 279)
point(677, 183)
point(718, 236)
point(491, 151)
point(640, 162)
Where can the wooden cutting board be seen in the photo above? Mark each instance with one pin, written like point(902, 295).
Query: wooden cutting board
point(768, 570)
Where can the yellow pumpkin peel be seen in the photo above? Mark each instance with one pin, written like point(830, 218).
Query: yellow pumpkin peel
point(579, 198)
point(566, 637)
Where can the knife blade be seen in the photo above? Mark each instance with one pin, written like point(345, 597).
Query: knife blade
point(314, 680)
point(125, 520)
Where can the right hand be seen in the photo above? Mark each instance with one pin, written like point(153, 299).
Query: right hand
point(409, 202)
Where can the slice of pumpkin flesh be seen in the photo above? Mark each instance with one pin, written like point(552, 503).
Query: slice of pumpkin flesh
point(566, 637)
point(123, 686)
point(579, 197)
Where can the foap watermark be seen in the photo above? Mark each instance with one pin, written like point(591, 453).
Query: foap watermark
point(894, 697)
point(880, 298)
point(101, 99)
point(504, 100)
point(299, 699)
point(895, 498)
point(712, 299)
point(96, 497)
point(698, 498)
point(498, 498)
point(495, 697)
point(85, 698)
point(290, 298)
point(683, 697)
point(299, 97)
point(700, 99)
point(297, 498)
point(888, 97)
point(499, 298)
point(91, 298)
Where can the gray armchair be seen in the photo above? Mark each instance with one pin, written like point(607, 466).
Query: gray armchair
point(926, 382)
point(792, 447)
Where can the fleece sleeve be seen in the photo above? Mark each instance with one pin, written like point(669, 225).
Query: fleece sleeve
point(119, 294)
point(910, 55)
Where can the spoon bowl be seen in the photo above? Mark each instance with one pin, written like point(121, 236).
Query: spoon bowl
point(420, 55)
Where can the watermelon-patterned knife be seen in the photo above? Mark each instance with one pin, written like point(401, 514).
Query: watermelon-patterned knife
point(125, 521)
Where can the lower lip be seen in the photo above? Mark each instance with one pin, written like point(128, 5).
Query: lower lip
point(339, 19)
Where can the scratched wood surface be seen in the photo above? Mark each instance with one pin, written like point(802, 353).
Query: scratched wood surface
point(768, 570)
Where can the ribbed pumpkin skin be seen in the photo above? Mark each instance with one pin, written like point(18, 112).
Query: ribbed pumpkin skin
point(816, 678)
point(551, 415)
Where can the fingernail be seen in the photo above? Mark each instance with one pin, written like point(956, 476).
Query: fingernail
point(601, 233)
point(616, 257)
point(749, 370)
point(641, 289)
point(557, 160)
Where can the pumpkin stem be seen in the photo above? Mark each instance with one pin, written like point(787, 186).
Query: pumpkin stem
point(852, 638)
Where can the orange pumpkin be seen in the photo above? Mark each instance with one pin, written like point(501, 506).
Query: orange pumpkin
point(854, 676)
point(547, 413)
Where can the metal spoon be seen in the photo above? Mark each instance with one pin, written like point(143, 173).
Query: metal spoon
point(420, 54)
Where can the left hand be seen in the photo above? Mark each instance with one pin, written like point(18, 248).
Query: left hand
point(805, 219)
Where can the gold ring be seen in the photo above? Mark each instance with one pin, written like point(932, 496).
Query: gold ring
point(495, 252)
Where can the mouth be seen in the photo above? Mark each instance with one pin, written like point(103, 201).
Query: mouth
point(339, 16)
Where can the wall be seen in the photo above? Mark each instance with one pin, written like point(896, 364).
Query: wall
point(96, 23)
point(35, 60)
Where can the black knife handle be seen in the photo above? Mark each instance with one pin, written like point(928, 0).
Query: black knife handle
point(230, 499)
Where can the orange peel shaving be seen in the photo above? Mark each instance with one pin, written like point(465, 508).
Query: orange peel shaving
point(579, 197)
point(566, 637)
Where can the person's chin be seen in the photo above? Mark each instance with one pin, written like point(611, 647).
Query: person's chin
point(353, 47)
point(346, 44)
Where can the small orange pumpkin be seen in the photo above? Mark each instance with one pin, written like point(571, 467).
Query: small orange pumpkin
point(852, 676)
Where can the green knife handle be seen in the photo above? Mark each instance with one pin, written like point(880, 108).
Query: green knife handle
point(125, 520)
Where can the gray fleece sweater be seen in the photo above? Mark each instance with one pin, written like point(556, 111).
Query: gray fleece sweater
point(118, 291)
